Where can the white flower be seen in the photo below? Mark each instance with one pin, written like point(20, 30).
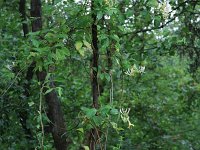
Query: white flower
point(165, 9)
point(141, 69)
point(130, 72)
point(134, 69)
point(125, 117)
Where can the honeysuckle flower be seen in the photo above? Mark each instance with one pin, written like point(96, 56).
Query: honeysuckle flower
point(141, 69)
point(132, 71)
point(124, 114)
point(130, 124)
point(125, 117)
point(165, 9)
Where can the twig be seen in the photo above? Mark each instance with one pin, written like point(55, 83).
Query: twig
point(3, 93)
point(41, 121)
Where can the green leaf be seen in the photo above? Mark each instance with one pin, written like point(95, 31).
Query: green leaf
point(81, 52)
point(105, 109)
point(107, 76)
point(61, 53)
point(49, 36)
point(114, 125)
point(157, 21)
point(114, 111)
point(89, 112)
point(65, 51)
point(86, 148)
point(48, 91)
point(99, 15)
point(97, 120)
point(153, 3)
point(105, 44)
point(31, 104)
point(80, 129)
point(111, 11)
point(59, 91)
point(115, 37)
point(78, 45)
point(88, 45)
point(120, 129)
point(35, 43)
point(101, 76)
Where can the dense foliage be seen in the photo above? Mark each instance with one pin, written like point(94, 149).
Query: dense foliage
point(100, 74)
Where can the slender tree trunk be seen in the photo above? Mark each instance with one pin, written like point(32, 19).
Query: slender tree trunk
point(22, 10)
point(55, 114)
point(93, 137)
point(95, 92)
point(29, 75)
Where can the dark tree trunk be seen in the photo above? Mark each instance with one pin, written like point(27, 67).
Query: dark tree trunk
point(55, 114)
point(22, 10)
point(95, 92)
point(93, 135)
point(36, 14)
point(29, 75)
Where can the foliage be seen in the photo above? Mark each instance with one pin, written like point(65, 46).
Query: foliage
point(148, 74)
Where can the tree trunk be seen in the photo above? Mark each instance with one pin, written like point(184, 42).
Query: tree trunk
point(22, 10)
point(55, 114)
point(95, 92)
point(29, 75)
point(93, 137)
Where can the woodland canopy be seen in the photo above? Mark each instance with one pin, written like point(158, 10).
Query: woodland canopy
point(100, 74)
